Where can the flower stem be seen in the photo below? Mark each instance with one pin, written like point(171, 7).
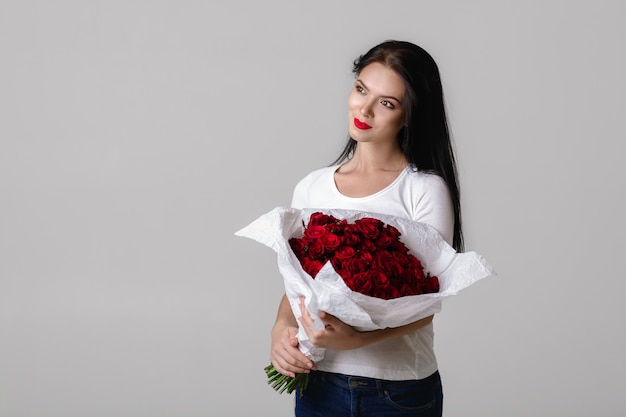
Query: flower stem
point(282, 383)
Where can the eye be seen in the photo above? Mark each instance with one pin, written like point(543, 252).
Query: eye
point(387, 104)
point(359, 89)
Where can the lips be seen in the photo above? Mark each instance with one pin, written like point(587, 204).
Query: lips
point(361, 125)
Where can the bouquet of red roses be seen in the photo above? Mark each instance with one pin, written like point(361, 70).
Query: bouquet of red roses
point(354, 266)
point(368, 255)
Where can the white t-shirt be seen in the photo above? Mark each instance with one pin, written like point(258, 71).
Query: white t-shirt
point(414, 195)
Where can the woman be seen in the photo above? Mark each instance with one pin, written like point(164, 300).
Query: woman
point(398, 161)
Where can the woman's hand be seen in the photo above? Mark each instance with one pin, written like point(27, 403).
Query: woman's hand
point(284, 353)
point(336, 334)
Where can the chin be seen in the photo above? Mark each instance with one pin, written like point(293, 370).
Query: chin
point(355, 134)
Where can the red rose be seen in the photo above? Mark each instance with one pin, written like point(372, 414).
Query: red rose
point(379, 293)
point(319, 219)
point(364, 256)
point(337, 264)
point(345, 252)
point(314, 232)
point(385, 262)
point(392, 231)
point(353, 266)
point(330, 242)
point(431, 284)
point(312, 266)
point(399, 246)
point(384, 240)
point(368, 246)
point(400, 257)
point(414, 273)
point(378, 278)
point(383, 259)
point(338, 227)
point(414, 260)
point(362, 283)
point(392, 292)
point(351, 239)
point(297, 245)
point(315, 249)
point(406, 289)
point(369, 227)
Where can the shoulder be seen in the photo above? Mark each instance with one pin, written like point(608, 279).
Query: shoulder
point(317, 177)
point(313, 184)
point(318, 174)
point(426, 183)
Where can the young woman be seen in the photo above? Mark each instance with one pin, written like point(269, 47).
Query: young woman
point(398, 161)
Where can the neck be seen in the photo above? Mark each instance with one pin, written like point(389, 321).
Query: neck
point(372, 158)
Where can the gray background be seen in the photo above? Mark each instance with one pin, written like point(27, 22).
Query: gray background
point(137, 136)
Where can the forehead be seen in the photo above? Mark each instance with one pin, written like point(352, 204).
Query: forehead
point(382, 80)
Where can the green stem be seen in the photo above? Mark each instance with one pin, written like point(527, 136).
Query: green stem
point(282, 383)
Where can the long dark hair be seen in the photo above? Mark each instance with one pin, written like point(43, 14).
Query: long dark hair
point(425, 139)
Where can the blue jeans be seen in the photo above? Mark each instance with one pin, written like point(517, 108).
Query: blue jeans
point(337, 395)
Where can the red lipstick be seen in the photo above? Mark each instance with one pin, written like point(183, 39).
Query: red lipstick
point(361, 125)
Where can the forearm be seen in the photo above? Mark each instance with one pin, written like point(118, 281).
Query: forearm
point(284, 317)
point(374, 336)
point(338, 335)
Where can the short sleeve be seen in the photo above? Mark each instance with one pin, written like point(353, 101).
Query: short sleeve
point(434, 207)
point(299, 196)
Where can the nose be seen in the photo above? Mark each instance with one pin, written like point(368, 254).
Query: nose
point(367, 108)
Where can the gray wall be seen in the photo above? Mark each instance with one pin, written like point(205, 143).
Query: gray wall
point(137, 136)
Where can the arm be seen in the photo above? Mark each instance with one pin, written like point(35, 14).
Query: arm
point(284, 353)
point(339, 336)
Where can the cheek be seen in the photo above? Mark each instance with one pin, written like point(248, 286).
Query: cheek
point(396, 122)
point(353, 101)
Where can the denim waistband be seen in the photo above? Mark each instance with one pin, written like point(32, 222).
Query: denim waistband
point(364, 383)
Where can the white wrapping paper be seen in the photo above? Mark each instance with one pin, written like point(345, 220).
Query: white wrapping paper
point(328, 292)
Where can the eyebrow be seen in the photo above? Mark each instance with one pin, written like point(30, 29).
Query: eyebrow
point(387, 97)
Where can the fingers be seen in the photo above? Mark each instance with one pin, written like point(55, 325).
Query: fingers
point(286, 357)
point(305, 320)
point(329, 320)
point(334, 335)
point(292, 335)
point(289, 365)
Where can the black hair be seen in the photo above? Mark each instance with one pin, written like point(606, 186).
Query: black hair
point(425, 139)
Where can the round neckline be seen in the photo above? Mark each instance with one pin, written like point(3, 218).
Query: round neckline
point(376, 194)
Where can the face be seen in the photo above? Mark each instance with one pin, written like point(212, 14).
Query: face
point(375, 109)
